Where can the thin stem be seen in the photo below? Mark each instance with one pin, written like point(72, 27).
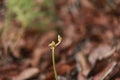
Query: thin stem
point(52, 46)
point(53, 60)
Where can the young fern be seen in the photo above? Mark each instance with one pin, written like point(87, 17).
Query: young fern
point(52, 46)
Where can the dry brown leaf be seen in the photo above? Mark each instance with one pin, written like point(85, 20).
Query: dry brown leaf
point(117, 79)
point(27, 73)
point(86, 3)
point(82, 63)
point(63, 68)
point(102, 75)
point(81, 76)
point(101, 19)
point(102, 51)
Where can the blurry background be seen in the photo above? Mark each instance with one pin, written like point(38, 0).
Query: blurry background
point(89, 50)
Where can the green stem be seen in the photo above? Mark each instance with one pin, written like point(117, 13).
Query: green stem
point(53, 60)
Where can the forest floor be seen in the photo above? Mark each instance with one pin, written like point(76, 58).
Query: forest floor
point(90, 47)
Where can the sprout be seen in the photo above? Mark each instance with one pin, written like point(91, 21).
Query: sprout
point(52, 46)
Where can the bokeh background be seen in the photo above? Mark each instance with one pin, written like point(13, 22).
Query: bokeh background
point(90, 47)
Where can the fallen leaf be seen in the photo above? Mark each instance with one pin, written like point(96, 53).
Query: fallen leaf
point(27, 74)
